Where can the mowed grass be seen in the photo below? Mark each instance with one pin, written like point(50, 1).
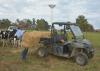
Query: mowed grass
point(10, 59)
point(94, 38)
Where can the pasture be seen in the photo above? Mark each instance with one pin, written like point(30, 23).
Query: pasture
point(10, 59)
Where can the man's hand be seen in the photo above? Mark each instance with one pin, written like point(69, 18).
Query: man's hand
point(62, 41)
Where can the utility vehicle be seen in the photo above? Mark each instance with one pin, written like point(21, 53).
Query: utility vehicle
point(67, 40)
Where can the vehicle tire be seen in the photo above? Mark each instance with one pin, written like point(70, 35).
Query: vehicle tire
point(81, 59)
point(42, 52)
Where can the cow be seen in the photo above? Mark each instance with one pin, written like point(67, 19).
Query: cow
point(7, 36)
point(4, 37)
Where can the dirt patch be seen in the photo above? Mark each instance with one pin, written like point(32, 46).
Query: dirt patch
point(16, 51)
point(5, 52)
point(9, 66)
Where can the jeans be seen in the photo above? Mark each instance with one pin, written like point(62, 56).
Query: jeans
point(24, 53)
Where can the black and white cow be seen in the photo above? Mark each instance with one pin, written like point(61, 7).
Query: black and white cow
point(4, 37)
point(14, 37)
point(7, 36)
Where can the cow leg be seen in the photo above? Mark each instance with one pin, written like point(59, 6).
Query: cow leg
point(19, 43)
point(14, 42)
point(7, 42)
point(3, 42)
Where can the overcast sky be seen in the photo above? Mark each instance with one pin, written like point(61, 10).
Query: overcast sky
point(65, 10)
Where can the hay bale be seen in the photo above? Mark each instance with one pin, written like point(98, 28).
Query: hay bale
point(31, 39)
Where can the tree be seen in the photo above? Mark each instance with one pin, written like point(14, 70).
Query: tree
point(28, 21)
point(5, 23)
point(42, 25)
point(25, 23)
point(90, 28)
point(83, 23)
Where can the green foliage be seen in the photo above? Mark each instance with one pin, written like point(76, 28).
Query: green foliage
point(5, 23)
point(42, 25)
point(28, 21)
point(25, 23)
point(39, 24)
point(83, 23)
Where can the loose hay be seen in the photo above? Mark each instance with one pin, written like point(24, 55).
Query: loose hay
point(31, 39)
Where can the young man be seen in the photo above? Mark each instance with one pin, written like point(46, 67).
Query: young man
point(19, 35)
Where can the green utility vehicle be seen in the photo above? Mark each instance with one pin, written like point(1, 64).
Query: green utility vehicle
point(59, 44)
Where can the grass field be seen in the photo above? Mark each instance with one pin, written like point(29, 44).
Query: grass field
point(10, 59)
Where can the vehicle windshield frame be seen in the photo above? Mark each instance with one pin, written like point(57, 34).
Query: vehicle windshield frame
point(60, 29)
point(76, 32)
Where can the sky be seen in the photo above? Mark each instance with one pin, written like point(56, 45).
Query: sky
point(65, 10)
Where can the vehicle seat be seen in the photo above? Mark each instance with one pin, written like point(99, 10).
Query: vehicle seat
point(66, 48)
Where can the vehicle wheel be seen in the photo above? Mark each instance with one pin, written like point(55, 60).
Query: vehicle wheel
point(42, 52)
point(81, 59)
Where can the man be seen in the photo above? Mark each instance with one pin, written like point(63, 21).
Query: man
point(19, 34)
point(59, 41)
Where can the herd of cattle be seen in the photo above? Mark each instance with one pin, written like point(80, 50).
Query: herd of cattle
point(8, 38)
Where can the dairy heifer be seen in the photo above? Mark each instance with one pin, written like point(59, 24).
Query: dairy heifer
point(7, 37)
point(4, 37)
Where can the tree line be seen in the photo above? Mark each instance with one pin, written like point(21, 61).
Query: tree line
point(39, 24)
point(84, 24)
point(42, 24)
